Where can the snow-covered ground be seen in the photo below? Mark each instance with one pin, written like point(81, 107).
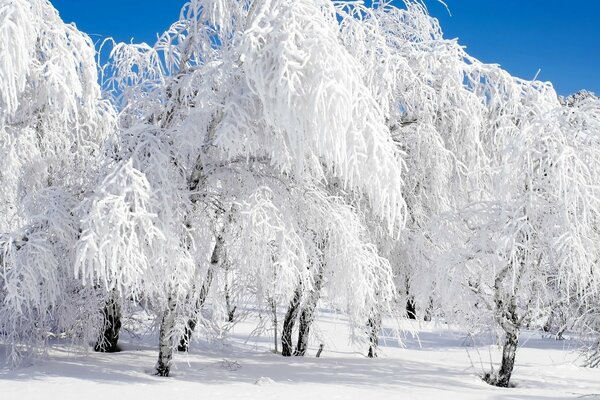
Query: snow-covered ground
point(436, 365)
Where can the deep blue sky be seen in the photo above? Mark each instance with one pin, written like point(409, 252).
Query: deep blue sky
point(562, 38)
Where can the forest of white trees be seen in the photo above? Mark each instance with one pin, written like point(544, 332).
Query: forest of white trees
point(274, 155)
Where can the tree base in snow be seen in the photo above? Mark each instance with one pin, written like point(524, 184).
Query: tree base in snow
point(493, 379)
point(162, 370)
point(107, 348)
point(109, 338)
point(372, 352)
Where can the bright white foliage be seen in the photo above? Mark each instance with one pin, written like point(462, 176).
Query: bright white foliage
point(252, 107)
point(500, 181)
point(53, 124)
point(52, 120)
point(289, 132)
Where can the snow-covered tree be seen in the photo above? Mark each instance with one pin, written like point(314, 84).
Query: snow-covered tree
point(53, 123)
point(529, 235)
point(285, 153)
point(246, 105)
point(434, 118)
point(487, 157)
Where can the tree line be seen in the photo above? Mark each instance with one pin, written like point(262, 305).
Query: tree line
point(277, 155)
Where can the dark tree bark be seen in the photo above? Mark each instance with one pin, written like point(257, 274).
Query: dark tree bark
point(215, 258)
point(304, 323)
point(230, 309)
point(289, 321)
point(411, 310)
point(320, 350)
point(307, 315)
point(109, 337)
point(508, 319)
point(374, 325)
point(509, 351)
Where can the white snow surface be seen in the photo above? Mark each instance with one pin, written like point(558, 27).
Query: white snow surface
point(435, 365)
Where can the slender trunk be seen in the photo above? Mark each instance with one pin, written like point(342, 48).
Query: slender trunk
point(109, 337)
point(230, 309)
point(195, 184)
point(289, 321)
point(193, 321)
point(165, 348)
point(374, 324)
point(561, 331)
point(320, 350)
point(190, 327)
point(307, 315)
point(411, 310)
point(508, 319)
point(428, 311)
point(274, 312)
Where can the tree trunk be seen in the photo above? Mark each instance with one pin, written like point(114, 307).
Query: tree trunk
point(509, 351)
point(184, 342)
point(274, 312)
point(165, 348)
point(307, 315)
point(230, 309)
point(289, 321)
point(320, 350)
point(374, 325)
point(215, 258)
point(108, 339)
point(428, 311)
point(507, 317)
point(305, 321)
point(411, 310)
point(549, 322)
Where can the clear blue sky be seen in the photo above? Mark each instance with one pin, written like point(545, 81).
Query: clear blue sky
point(562, 38)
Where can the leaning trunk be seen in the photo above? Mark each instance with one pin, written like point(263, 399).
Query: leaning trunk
point(108, 340)
point(288, 323)
point(184, 343)
point(190, 327)
point(165, 348)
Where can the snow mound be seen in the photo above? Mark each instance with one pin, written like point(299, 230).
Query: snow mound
point(263, 380)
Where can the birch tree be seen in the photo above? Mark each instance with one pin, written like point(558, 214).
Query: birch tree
point(275, 103)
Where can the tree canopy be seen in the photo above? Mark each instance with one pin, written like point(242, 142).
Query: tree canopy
point(283, 152)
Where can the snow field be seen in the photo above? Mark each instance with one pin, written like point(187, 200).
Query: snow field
point(436, 364)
